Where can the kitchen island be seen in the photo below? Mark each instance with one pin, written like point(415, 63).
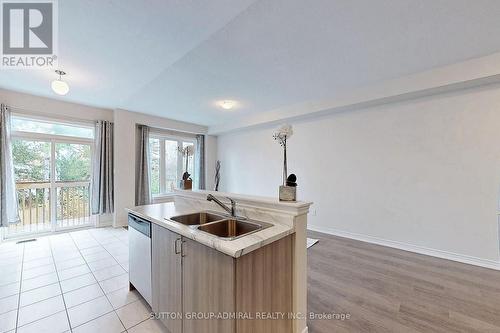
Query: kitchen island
point(213, 272)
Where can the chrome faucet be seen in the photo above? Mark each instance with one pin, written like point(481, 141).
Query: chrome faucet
point(231, 210)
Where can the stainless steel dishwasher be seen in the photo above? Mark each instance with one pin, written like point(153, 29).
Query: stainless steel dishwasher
point(139, 231)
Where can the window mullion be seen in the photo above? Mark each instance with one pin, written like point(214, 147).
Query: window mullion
point(162, 167)
point(53, 193)
point(179, 162)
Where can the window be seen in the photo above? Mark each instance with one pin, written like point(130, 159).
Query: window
point(168, 163)
point(31, 160)
point(22, 124)
point(171, 167)
point(52, 167)
point(72, 162)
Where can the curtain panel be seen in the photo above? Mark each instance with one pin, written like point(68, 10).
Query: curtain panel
point(200, 160)
point(142, 177)
point(102, 176)
point(8, 201)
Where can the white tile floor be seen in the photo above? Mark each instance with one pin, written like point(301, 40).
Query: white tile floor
point(71, 282)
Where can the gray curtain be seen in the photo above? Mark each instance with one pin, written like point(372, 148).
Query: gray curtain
point(142, 176)
point(8, 200)
point(200, 160)
point(102, 177)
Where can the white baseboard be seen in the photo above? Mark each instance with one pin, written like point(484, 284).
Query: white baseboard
point(120, 224)
point(105, 224)
point(105, 220)
point(411, 248)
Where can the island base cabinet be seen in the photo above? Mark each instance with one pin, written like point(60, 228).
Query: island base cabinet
point(167, 278)
point(202, 285)
point(264, 286)
point(208, 289)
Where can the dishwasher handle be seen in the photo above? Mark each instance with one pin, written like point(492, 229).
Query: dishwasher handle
point(141, 225)
point(176, 247)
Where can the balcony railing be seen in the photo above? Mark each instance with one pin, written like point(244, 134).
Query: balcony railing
point(37, 211)
point(73, 204)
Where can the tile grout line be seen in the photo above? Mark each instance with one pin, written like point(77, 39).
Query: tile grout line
point(118, 263)
point(100, 284)
point(31, 322)
point(126, 330)
point(21, 292)
point(57, 271)
point(1, 298)
point(37, 276)
point(116, 314)
point(60, 287)
point(119, 240)
point(20, 286)
point(62, 294)
point(42, 318)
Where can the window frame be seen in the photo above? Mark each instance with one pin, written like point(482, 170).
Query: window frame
point(180, 139)
point(43, 119)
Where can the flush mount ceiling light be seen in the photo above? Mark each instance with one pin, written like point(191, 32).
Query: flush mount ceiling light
point(227, 104)
point(59, 86)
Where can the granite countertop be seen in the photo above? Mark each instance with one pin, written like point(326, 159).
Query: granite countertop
point(160, 214)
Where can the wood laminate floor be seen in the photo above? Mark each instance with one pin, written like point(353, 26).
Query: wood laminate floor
point(389, 290)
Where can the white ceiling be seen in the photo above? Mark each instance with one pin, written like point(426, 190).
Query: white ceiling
point(177, 58)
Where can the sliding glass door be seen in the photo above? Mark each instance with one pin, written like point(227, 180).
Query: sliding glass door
point(32, 168)
point(72, 184)
point(53, 183)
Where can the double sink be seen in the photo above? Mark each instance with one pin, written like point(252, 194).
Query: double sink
point(220, 225)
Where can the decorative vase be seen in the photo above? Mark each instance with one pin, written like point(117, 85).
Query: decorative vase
point(186, 184)
point(288, 193)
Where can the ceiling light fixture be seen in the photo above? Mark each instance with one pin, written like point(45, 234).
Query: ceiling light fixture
point(227, 105)
point(59, 86)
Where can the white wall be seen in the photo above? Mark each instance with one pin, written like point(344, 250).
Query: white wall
point(423, 172)
point(210, 160)
point(125, 124)
point(53, 108)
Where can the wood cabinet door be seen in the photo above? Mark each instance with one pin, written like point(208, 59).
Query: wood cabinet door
point(264, 284)
point(167, 277)
point(208, 288)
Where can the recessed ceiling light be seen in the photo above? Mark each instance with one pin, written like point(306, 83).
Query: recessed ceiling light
point(227, 105)
point(59, 86)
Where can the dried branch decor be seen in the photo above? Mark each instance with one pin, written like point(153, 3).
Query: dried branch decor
point(282, 135)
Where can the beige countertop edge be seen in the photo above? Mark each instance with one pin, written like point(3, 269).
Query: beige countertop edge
point(247, 199)
point(234, 248)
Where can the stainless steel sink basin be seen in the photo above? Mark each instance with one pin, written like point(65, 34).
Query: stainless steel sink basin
point(220, 225)
point(231, 228)
point(198, 218)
